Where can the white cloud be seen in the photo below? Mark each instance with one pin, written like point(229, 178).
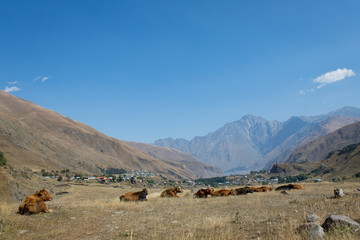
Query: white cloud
point(334, 76)
point(302, 92)
point(12, 83)
point(11, 89)
point(42, 78)
point(328, 78)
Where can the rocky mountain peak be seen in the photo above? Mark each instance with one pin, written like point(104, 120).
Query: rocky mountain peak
point(252, 142)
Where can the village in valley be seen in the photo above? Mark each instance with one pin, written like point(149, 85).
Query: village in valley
point(148, 178)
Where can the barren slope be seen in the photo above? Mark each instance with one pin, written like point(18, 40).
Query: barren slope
point(320, 147)
point(36, 137)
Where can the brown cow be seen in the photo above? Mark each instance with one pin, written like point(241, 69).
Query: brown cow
point(204, 192)
point(171, 192)
point(298, 186)
point(35, 203)
point(223, 193)
point(261, 189)
point(289, 187)
point(243, 190)
point(134, 196)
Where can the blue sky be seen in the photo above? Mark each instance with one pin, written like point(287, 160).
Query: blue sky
point(144, 70)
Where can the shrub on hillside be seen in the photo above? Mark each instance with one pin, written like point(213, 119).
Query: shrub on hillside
point(328, 171)
point(3, 160)
point(290, 179)
point(348, 149)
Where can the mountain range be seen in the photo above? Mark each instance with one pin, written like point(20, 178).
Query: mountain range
point(34, 137)
point(254, 143)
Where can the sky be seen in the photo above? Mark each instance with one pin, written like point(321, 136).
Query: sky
point(146, 70)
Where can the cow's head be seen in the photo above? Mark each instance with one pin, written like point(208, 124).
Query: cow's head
point(44, 195)
point(248, 190)
point(144, 192)
point(210, 190)
point(178, 189)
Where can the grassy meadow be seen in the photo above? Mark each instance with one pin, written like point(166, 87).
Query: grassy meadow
point(93, 211)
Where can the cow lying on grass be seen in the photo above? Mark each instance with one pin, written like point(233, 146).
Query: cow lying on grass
point(261, 189)
point(289, 187)
point(223, 193)
point(35, 203)
point(204, 193)
point(134, 196)
point(171, 192)
point(243, 190)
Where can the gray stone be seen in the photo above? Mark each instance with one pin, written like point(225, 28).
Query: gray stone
point(311, 231)
point(338, 193)
point(285, 192)
point(334, 221)
point(21, 232)
point(313, 218)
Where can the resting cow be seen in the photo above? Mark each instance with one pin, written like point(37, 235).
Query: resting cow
point(134, 196)
point(243, 190)
point(223, 193)
point(204, 192)
point(261, 189)
point(289, 187)
point(171, 192)
point(35, 203)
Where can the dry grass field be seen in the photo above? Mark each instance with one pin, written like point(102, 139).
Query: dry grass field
point(94, 212)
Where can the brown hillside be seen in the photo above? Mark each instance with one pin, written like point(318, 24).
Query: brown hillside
point(38, 138)
point(320, 147)
point(344, 162)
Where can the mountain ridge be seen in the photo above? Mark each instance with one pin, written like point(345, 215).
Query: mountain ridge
point(253, 142)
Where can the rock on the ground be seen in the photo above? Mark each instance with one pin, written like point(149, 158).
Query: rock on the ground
point(311, 231)
point(334, 221)
point(285, 192)
point(21, 232)
point(313, 218)
point(338, 193)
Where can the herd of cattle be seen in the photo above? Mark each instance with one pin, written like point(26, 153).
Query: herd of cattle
point(35, 203)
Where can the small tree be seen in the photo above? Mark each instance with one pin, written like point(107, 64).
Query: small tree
point(3, 160)
point(60, 178)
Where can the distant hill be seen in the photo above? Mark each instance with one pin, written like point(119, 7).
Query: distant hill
point(344, 162)
point(320, 147)
point(38, 138)
point(254, 143)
